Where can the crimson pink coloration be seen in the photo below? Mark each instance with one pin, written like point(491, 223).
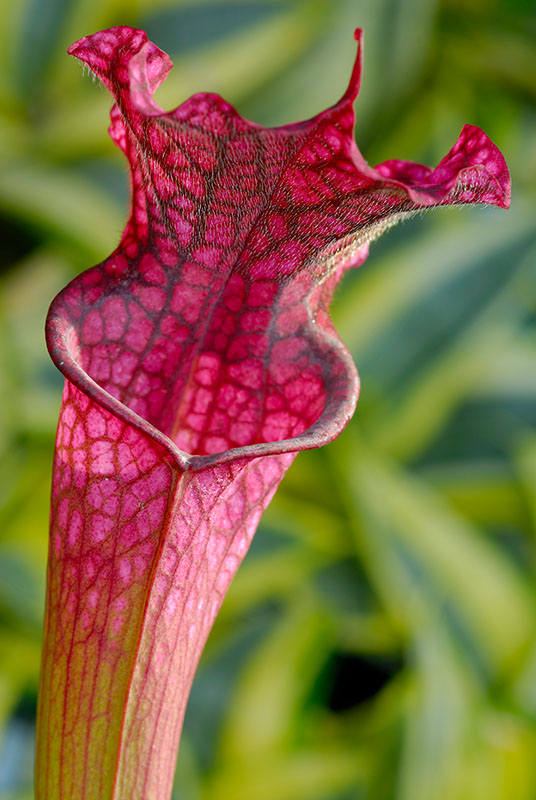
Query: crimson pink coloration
point(199, 359)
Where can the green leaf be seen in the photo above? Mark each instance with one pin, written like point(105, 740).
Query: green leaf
point(64, 205)
point(429, 563)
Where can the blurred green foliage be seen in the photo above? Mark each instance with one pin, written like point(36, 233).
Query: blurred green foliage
point(379, 641)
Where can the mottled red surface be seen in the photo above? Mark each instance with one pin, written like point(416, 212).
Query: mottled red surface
point(199, 359)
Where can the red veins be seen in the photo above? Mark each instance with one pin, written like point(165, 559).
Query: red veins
point(199, 359)
point(209, 321)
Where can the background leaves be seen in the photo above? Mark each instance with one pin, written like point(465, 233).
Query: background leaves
point(379, 641)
